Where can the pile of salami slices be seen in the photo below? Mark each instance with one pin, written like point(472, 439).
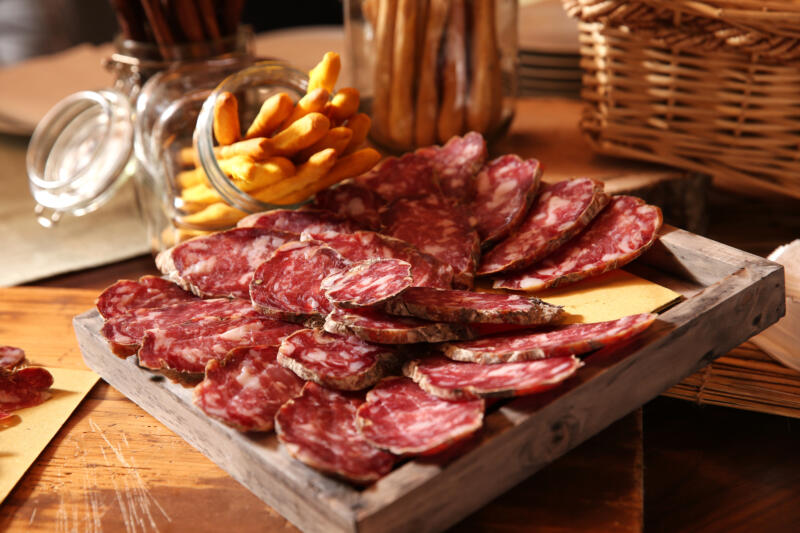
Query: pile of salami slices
point(350, 328)
point(21, 385)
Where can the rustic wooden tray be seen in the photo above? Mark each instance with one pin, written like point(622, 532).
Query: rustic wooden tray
point(729, 296)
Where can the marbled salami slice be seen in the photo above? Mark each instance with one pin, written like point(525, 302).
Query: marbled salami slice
point(444, 305)
point(296, 221)
point(439, 228)
point(562, 341)
point(287, 285)
point(318, 428)
point(618, 235)
point(146, 292)
point(504, 190)
point(368, 283)
point(401, 418)
point(10, 356)
point(336, 361)
point(452, 380)
point(560, 211)
point(375, 326)
point(24, 388)
point(222, 264)
point(456, 164)
point(408, 176)
point(246, 388)
point(354, 202)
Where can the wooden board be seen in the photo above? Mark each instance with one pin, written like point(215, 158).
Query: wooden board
point(730, 295)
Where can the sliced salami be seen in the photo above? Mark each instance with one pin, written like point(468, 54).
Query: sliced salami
point(618, 235)
point(504, 190)
point(368, 283)
point(318, 428)
point(354, 202)
point(560, 211)
point(452, 380)
point(401, 418)
point(144, 293)
point(439, 228)
point(444, 305)
point(222, 264)
point(336, 361)
point(562, 341)
point(246, 388)
point(10, 356)
point(408, 176)
point(456, 164)
point(287, 285)
point(296, 221)
point(375, 326)
point(24, 388)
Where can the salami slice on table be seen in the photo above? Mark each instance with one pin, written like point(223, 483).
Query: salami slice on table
point(287, 285)
point(353, 202)
point(221, 264)
point(368, 283)
point(23, 388)
point(403, 419)
point(452, 380)
point(297, 221)
point(563, 341)
point(378, 327)
point(560, 211)
point(456, 164)
point(504, 190)
point(10, 356)
point(476, 307)
point(408, 176)
point(318, 428)
point(439, 228)
point(336, 361)
point(146, 292)
point(246, 388)
point(618, 235)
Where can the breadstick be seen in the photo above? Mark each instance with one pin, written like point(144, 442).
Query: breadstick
point(226, 118)
point(250, 175)
point(370, 10)
point(188, 19)
point(336, 138)
point(301, 134)
point(206, 8)
point(384, 46)
point(485, 98)
point(313, 102)
point(257, 148)
point(325, 74)
point(214, 216)
point(344, 104)
point(187, 157)
point(309, 172)
point(454, 75)
point(427, 90)
point(199, 195)
point(359, 124)
point(190, 178)
point(273, 112)
point(401, 99)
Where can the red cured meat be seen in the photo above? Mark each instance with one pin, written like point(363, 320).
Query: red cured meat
point(439, 228)
point(504, 190)
point(146, 292)
point(456, 163)
point(560, 211)
point(287, 286)
point(401, 418)
point(24, 388)
point(563, 341)
point(221, 264)
point(10, 356)
point(356, 203)
point(408, 176)
point(336, 361)
point(452, 380)
point(368, 283)
point(618, 235)
point(319, 428)
point(296, 221)
point(375, 326)
point(246, 388)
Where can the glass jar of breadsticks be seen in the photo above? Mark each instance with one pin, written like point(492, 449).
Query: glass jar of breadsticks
point(431, 69)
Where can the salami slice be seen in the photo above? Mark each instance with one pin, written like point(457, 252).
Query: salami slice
point(562, 341)
point(296, 221)
point(456, 163)
point(146, 292)
point(618, 235)
point(24, 388)
point(426, 270)
point(439, 228)
point(287, 285)
point(478, 307)
point(375, 326)
point(221, 264)
point(560, 211)
point(504, 190)
point(246, 388)
point(354, 202)
point(452, 380)
point(408, 176)
point(401, 418)
point(368, 283)
point(336, 361)
point(318, 428)
point(10, 356)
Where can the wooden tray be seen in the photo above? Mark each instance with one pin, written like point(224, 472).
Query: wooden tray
point(730, 296)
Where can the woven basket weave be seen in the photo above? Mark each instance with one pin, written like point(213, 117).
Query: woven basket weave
point(707, 86)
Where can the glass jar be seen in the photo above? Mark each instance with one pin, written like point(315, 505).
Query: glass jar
point(431, 70)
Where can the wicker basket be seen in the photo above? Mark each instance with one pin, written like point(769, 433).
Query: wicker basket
point(710, 86)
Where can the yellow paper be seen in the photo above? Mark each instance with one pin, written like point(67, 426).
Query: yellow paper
point(28, 431)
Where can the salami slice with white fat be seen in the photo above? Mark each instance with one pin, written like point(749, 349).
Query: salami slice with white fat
point(439, 228)
point(560, 211)
point(318, 428)
point(353, 202)
point(222, 264)
point(23, 388)
point(376, 326)
point(146, 292)
point(401, 418)
point(444, 305)
point(368, 283)
point(408, 176)
point(297, 221)
point(562, 341)
point(453, 380)
point(457, 162)
point(342, 362)
point(10, 357)
point(246, 388)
